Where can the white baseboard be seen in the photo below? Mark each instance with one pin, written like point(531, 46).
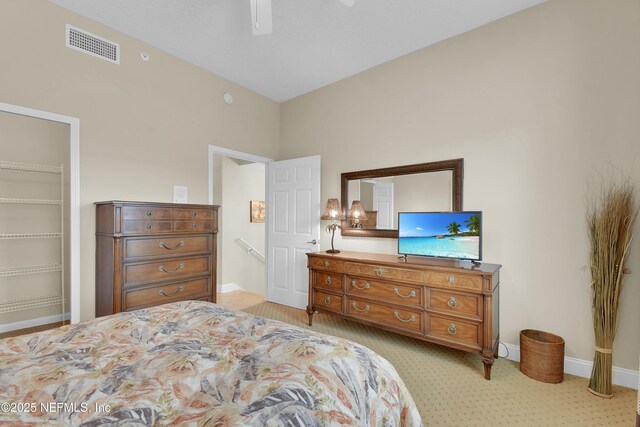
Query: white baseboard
point(30, 323)
point(230, 287)
point(580, 368)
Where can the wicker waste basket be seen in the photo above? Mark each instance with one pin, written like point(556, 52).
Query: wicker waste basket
point(542, 356)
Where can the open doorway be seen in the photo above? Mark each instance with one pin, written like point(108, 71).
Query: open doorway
point(236, 180)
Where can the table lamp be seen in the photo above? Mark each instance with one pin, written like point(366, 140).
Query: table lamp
point(332, 213)
point(357, 214)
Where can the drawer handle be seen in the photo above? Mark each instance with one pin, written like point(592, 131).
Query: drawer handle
point(327, 263)
point(162, 245)
point(327, 280)
point(452, 302)
point(162, 292)
point(179, 267)
point(410, 319)
point(194, 214)
point(412, 294)
point(366, 307)
point(148, 212)
point(380, 271)
point(355, 285)
point(452, 329)
point(452, 280)
point(194, 225)
point(327, 300)
point(148, 226)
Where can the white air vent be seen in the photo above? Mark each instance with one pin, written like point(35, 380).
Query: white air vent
point(93, 45)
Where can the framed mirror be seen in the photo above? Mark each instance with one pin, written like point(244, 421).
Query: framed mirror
point(381, 193)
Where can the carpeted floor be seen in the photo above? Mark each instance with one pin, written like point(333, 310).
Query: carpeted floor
point(449, 386)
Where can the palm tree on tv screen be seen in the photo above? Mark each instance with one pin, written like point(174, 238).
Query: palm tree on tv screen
point(453, 228)
point(473, 224)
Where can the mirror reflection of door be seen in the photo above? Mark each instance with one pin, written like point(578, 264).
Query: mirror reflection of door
point(383, 204)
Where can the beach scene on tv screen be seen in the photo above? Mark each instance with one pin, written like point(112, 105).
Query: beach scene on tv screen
point(448, 235)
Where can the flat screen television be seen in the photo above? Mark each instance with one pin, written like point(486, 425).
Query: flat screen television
point(456, 235)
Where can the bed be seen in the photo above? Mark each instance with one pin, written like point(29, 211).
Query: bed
point(197, 363)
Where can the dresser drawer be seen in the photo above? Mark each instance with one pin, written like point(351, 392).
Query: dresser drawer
point(452, 280)
point(193, 214)
point(384, 272)
point(171, 246)
point(168, 292)
point(328, 281)
point(326, 264)
point(141, 212)
point(327, 301)
point(399, 294)
point(202, 226)
point(453, 329)
point(166, 270)
point(453, 303)
point(405, 319)
point(146, 227)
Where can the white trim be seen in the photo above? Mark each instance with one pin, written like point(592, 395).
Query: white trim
point(581, 368)
point(74, 194)
point(30, 323)
point(214, 149)
point(230, 287)
point(269, 224)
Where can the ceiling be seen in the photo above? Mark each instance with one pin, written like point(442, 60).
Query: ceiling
point(314, 42)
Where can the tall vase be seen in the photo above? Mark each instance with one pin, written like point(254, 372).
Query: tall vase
point(610, 217)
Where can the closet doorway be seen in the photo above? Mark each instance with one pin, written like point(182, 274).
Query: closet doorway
point(39, 219)
point(235, 180)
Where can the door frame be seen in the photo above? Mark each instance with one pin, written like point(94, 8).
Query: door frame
point(214, 149)
point(74, 194)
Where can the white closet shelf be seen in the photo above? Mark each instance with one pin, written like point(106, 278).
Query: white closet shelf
point(10, 201)
point(32, 269)
point(29, 303)
point(30, 167)
point(35, 301)
point(30, 236)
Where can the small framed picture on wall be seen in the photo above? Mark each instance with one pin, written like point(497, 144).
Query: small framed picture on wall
point(258, 212)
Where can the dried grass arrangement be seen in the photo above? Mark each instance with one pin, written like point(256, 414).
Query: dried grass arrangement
point(610, 217)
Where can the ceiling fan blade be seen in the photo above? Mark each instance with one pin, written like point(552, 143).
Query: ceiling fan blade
point(261, 19)
point(348, 3)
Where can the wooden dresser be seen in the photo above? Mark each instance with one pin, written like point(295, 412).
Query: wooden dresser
point(451, 303)
point(153, 253)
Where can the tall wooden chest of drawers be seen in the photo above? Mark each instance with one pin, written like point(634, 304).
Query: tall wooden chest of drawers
point(449, 303)
point(153, 253)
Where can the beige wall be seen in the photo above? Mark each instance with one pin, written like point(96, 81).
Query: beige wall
point(31, 140)
point(536, 104)
point(240, 184)
point(144, 126)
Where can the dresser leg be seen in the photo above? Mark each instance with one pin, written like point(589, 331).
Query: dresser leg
point(487, 370)
point(310, 314)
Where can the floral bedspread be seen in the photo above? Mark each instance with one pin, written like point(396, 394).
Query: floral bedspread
point(196, 363)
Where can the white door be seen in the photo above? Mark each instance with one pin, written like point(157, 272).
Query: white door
point(383, 203)
point(293, 222)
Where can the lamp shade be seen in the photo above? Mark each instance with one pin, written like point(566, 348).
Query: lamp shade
point(332, 211)
point(357, 211)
